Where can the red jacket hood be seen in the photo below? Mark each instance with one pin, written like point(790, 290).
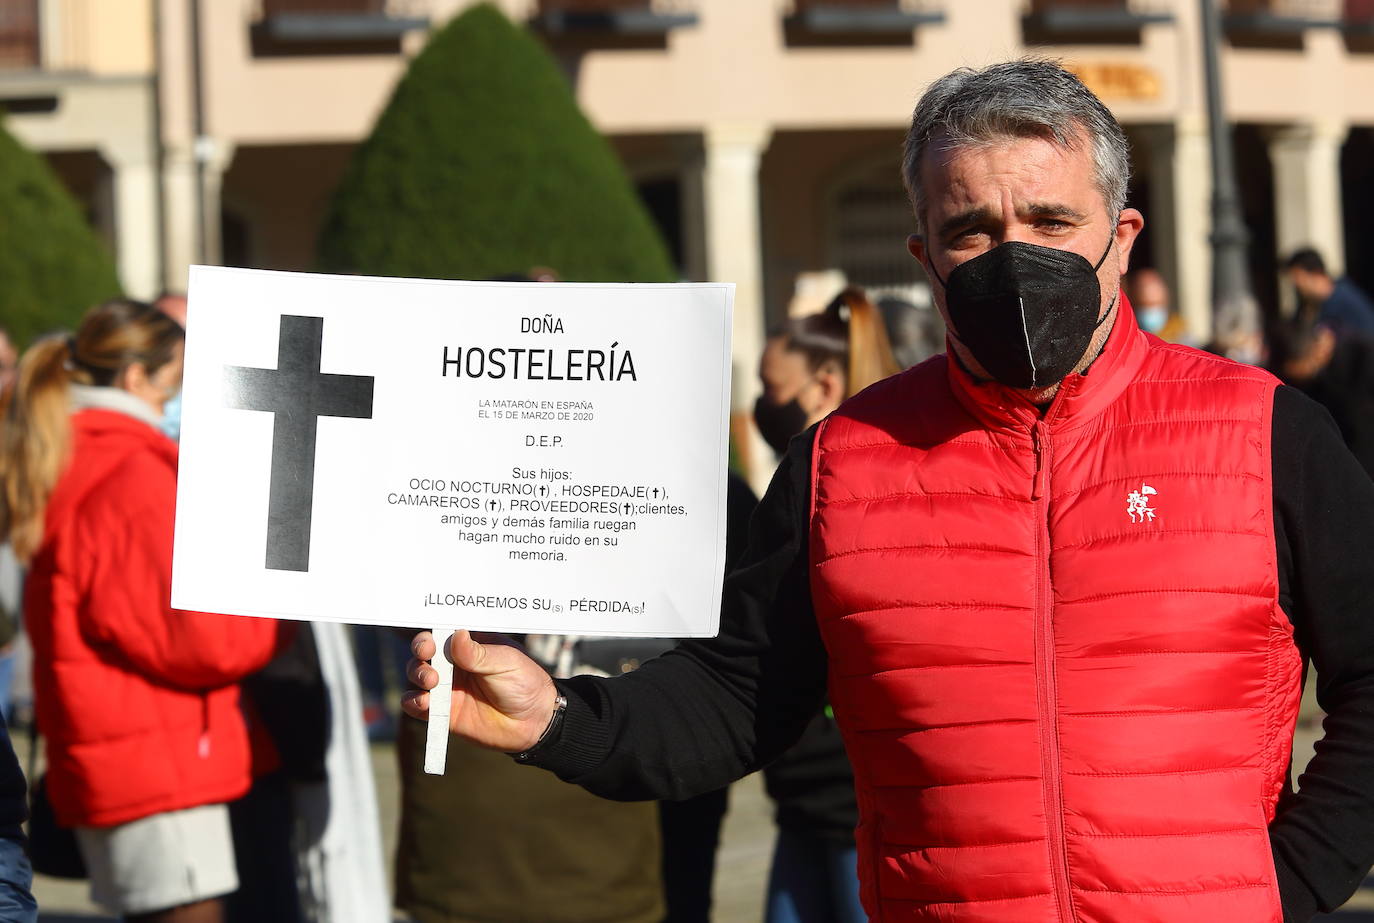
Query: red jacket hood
point(103, 440)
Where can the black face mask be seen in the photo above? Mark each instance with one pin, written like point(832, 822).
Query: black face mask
point(778, 423)
point(1027, 313)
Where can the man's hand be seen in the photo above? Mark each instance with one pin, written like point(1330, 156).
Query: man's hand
point(502, 699)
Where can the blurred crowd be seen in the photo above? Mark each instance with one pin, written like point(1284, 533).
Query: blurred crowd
point(201, 767)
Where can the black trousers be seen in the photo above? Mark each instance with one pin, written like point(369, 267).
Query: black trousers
point(262, 822)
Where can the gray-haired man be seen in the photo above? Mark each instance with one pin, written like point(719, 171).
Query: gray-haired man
point(1062, 584)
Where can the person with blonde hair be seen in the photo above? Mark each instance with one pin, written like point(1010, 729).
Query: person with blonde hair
point(138, 702)
point(814, 362)
point(16, 873)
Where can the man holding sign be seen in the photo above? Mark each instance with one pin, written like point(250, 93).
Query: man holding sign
point(1062, 584)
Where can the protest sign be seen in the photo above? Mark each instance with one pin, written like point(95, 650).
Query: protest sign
point(538, 457)
point(528, 457)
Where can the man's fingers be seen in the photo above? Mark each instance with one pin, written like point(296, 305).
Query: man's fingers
point(421, 674)
point(416, 704)
point(422, 646)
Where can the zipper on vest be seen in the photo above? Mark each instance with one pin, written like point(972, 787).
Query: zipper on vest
point(1040, 436)
point(1046, 680)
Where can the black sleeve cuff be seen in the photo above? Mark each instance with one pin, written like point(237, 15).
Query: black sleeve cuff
point(580, 742)
point(1299, 903)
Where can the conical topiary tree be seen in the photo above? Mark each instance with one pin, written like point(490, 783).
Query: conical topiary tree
point(482, 165)
point(53, 267)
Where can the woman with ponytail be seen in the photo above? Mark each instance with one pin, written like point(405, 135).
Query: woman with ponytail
point(138, 703)
point(817, 361)
point(808, 369)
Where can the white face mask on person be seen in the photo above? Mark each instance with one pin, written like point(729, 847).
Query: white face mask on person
point(1152, 317)
point(171, 416)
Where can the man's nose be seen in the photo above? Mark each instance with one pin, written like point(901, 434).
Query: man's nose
point(1016, 230)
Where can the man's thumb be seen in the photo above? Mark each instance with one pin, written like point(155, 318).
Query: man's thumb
point(467, 654)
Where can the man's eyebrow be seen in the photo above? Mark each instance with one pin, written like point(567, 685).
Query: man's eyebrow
point(1046, 210)
point(980, 214)
point(967, 218)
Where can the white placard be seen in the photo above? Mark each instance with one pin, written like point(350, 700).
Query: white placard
point(535, 457)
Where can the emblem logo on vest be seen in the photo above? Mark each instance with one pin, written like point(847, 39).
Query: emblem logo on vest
point(1138, 504)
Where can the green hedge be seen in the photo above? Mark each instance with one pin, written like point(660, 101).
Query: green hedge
point(482, 165)
point(53, 266)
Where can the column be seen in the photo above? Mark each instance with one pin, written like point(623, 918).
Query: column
point(734, 253)
point(1180, 218)
point(53, 52)
point(134, 202)
point(692, 200)
point(1306, 158)
point(215, 156)
point(179, 216)
point(187, 240)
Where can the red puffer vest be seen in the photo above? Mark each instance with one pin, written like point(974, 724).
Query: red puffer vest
point(1056, 650)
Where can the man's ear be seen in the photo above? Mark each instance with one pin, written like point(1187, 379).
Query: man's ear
point(916, 246)
point(1128, 227)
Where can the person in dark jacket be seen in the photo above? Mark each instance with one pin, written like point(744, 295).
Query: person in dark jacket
point(808, 368)
point(1336, 372)
point(1336, 303)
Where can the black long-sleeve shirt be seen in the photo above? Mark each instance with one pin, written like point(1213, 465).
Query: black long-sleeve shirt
point(713, 710)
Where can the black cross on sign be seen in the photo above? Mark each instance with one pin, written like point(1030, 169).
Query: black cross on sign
point(298, 394)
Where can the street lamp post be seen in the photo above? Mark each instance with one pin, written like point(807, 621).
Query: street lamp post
point(1235, 316)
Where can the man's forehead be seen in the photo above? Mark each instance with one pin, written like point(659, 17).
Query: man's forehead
point(1006, 151)
point(1045, 178)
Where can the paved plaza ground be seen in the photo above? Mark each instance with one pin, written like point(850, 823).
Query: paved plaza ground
point(741, 864)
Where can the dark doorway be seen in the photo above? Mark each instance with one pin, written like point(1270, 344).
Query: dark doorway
point(235, 240)
point(663, 199)
point(1255, 182)
point(1357, 203)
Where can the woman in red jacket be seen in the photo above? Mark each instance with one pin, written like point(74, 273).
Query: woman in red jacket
point(138, 702)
